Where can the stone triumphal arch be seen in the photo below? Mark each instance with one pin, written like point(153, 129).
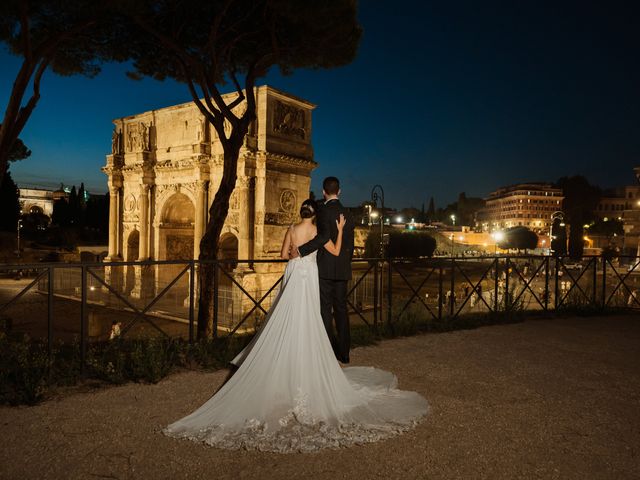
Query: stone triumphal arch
point(164, 170)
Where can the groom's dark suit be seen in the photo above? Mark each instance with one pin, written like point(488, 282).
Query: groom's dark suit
point(334, 273)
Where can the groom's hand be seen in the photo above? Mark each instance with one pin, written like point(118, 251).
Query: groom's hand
point(293, 252)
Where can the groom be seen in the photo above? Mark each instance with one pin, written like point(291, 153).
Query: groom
point(334, 272)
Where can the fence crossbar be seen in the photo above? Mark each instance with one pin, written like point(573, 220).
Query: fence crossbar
point(474, 287)
point(24, 290)
point(355, 285)
point(527, 284)
point(574, 283)
point(415, 292)
point(243, 290)
point(622, 282)
point(135, 309)
point(262, 299)
point(353, 288)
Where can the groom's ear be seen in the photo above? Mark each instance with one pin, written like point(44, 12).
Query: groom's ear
point(339, 192)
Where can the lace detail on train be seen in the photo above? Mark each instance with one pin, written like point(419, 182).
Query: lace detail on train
point(290, 394)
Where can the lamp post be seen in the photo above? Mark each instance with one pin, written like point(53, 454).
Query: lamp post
point(554, 216)
point(18, 237)
point(453, 219)
point(377, 193)
point(497, 237)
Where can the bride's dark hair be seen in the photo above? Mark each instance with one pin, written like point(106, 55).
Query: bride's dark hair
point(308, 208)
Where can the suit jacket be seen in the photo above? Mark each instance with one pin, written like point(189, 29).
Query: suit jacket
point(329, 266)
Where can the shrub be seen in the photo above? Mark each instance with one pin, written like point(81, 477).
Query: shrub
point(24, 368)
point(402, 244)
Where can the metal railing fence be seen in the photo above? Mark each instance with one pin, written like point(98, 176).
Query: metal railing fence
point(161, 297)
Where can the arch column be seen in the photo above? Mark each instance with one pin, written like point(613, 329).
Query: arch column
point(259, 207)
point(114, 220)
point(200, 217)
point(143, 226)
point(244, 221)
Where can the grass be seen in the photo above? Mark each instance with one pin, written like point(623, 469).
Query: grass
point(28, 374)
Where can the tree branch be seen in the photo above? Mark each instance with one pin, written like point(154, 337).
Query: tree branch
point(26, 111)
point(213, 32)
point(210, 114)
point(24, 29)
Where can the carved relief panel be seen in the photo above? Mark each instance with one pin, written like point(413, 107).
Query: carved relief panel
point(289, 121)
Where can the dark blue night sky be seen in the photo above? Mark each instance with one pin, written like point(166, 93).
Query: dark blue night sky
point(443, 97)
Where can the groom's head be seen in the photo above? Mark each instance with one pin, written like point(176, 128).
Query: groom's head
point(330, 187)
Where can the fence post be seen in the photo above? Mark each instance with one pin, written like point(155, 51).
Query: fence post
point(83, 319)
point(389, 293)
point(215, 298)
point(375, 294)
point(496, 274)
point(50, 312)
point(440, 292)
point(453, 288)
point(595, 279)
point(604, 282)
point(546, 283)
point(555, 300)
point(507, 303)
point(192, 278)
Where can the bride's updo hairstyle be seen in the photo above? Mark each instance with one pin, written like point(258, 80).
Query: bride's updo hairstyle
point(308, 208)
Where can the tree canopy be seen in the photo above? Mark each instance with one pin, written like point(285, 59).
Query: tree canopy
point(519, 238)
point(19, 151)
point(402, 244)
point(580, 200)
point(67, 36)
point(209, 44)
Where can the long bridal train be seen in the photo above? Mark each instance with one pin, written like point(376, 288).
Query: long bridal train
point(290, 394)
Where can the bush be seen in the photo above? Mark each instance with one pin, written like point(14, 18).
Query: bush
point(519, 238)
point(402, 244)
point(24, 368)
point(27, 374)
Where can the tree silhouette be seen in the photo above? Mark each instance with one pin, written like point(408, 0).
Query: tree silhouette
point(580, 200)
point(519, 238)
point(431, 211)
point(9, 199)
point(205, 44)
point(68, 36)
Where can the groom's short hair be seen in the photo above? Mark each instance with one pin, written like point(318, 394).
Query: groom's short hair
point(331, 185)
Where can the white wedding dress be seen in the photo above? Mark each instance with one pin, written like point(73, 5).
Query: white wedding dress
point(290, 394)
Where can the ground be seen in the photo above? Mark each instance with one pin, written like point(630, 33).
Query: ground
point(555, 398)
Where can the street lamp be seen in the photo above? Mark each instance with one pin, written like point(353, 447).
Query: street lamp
point(554, 216)
point(18, 239)
point(497, 238)
point(453, 219)
point(377, 193)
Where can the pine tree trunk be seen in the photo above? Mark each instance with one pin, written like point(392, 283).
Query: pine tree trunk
point(210, 240)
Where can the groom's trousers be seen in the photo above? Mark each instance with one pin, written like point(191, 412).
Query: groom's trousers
point(333, 306)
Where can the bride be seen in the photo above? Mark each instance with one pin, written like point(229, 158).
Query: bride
point(289, 393)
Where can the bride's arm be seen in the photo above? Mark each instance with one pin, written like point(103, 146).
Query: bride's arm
point(334, 248)
point(286, 245)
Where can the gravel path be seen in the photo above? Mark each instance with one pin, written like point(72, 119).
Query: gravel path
point(542, 399)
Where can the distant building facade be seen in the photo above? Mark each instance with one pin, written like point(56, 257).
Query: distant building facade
point(36, 200)
point(526, 204)
point(614, 202)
